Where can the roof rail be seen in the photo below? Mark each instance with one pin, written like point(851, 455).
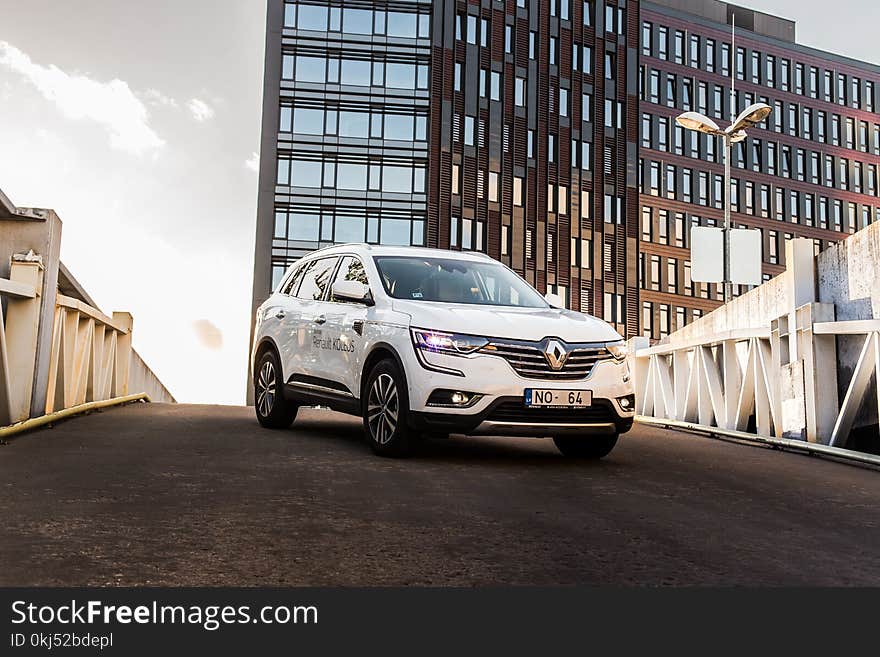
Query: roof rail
point(337, 246)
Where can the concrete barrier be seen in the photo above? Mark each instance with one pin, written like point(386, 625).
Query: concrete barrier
point(795, 358)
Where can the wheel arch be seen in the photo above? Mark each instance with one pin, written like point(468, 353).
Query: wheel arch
point(380, 351)
point(264, 345)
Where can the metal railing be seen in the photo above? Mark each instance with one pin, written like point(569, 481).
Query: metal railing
point(733, 381)
point(18, 337)
point(778, 382)
point(58, 351)
point(90, 357)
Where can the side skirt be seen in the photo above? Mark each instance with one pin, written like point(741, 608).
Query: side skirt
point(313, 395)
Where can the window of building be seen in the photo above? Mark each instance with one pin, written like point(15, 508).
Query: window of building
point(472, 29)
point(710, 55)
point(662, 43)
point(469, 130)
point(679, 47)
point(694, 54)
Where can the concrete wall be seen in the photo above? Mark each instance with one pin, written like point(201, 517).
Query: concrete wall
point(849, 277)
point(753, 309)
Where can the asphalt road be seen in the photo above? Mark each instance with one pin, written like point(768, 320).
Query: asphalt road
point(201, 495)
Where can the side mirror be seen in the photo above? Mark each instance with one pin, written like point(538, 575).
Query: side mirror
point(554, 300)
point(352, 291)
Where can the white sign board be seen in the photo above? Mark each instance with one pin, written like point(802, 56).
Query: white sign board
point(707, 254)
point(745, 256)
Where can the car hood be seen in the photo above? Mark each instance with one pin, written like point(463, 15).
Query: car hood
point(504, 322)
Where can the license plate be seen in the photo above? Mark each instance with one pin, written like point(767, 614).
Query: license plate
point(537, 398)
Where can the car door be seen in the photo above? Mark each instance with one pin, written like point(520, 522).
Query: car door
point(343, 350)
point(306, 320)
point(284, 316)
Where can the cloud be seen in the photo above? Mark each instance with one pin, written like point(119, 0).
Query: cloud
point(201, 111)
point(158, 99)
point(111, 104)
point(208, 334)
point(253, 162)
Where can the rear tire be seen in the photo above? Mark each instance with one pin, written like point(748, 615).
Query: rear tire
point(273, 410)
point(588, 447)
point(385, 411)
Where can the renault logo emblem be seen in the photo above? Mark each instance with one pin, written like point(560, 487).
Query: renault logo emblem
point(556, 354)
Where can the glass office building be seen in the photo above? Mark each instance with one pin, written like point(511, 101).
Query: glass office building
point(542, 132)
point(345, 128)
point(503, 127)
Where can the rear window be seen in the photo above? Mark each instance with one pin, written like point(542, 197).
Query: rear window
point(316, 279)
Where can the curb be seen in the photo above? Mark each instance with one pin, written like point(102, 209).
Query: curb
point(779, 443)
point(43, 420)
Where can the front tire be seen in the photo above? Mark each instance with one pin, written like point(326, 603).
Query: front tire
point(588, 447)
point(273, 410)
point(386, 411)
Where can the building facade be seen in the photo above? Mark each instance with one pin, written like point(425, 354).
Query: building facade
point(504, 127)
point(809, 171)
point(345, 129)
point(542, 132)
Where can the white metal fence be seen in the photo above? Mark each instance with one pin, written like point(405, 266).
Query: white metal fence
point(90, 355)
point(58, 351)
point(797, 378)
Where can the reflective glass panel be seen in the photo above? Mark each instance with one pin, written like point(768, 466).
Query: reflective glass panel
point(308, 121)
point(305, 173)
point(355, 71)
point(310, 69)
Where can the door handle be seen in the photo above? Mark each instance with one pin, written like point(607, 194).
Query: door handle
point(320, 319)
point(279, 314)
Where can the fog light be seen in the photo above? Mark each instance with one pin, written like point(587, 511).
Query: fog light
point(627, 403)
point(453, 398)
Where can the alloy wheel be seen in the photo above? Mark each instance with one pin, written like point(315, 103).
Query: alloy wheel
point(383, 408)
point(266, 388)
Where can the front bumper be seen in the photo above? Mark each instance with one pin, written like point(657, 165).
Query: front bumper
point(508, 416)
point(500, 409)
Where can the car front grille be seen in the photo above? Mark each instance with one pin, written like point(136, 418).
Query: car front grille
point(516, 411)
point(528, 360)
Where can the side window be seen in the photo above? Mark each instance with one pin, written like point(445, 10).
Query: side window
point(316, 279)
point(289, 286)
point(351, 269)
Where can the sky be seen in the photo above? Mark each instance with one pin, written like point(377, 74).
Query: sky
point(139, 123)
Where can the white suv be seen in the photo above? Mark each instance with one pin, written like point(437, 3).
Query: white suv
point(426, 342)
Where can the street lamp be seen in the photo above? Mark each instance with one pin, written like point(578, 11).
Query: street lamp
point(735, 133)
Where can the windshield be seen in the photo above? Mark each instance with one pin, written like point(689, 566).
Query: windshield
point(455, 281)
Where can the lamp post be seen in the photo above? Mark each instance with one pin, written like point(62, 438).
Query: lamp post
point(735, 133)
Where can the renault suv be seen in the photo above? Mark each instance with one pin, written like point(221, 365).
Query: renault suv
point(427, 342)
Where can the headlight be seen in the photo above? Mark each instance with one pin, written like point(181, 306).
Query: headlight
point(447, 343)
point(617, 349)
